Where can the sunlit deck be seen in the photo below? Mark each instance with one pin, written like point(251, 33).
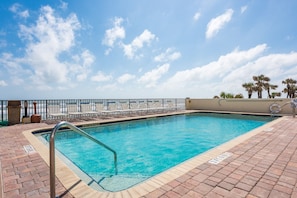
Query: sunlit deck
point(263, 163)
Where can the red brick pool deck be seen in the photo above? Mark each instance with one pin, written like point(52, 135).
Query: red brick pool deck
point(265, 165)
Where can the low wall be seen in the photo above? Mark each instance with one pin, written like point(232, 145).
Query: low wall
point(261, 106)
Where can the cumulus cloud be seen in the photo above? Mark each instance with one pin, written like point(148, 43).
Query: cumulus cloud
point(167, 56)
point(84, 60)
point(24, 14)
point(117, 32)
point(196, 16)
point(49, 43)
point(125, 78)
point(216, 24)
point(145, 38)
point(14, 67)
point(50, 37)
point(279, 65)
point(101, 77)
point(231, 70)
point(150, 78)
point(16, 8)
point(214, 70)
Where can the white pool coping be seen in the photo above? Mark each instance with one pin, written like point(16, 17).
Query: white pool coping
point(80, 189)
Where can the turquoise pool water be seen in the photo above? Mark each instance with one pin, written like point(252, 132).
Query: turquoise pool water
point(149, 146)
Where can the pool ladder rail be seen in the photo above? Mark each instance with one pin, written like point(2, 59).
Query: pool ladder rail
point(52, 152)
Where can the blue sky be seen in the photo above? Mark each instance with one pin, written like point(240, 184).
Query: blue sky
point(143, 49)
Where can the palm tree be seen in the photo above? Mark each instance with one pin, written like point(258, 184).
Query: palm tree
point(229, 95)
point(261, 82)
point(293, 91)
point(291, 87)
point(226, 95)
point(286, 91)
point(249, 87)
point(268, 87)
point(276, 94)
point(238, 96)
point(223, 94)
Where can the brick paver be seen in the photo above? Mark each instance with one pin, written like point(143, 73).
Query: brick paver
point(24, 175)
point(263, 166)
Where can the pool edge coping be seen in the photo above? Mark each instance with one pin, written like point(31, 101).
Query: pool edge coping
point(68, 178)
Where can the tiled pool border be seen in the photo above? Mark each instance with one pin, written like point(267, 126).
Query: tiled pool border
point(79, 189)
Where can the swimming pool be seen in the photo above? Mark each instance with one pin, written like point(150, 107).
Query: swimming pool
point(149, 146)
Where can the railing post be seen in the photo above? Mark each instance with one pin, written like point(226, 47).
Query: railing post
point(2, 116)
point(52, 162)
point(46, 113)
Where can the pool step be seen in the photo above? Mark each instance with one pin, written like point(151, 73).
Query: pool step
point(120, 182)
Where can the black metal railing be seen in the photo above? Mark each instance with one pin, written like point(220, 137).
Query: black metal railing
point(67, 108)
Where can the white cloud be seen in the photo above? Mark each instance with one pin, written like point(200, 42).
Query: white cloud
point(24, 14)
point(88, 58)
point(14, 68)
point(113, 34)
point(196, 16)
point(230, 71)
point(168, 56)
point(3, 83)
point(243, 9)
point(218, 23)
point(16, 8)
point(213, 71)
point(63, 5)
point(49, 42)
point(150, 78)
point(84, 61)
point(125, 78)
point(50, 37)
point(101, 77)
point(107, 51)
point(145, 38)
point(276, 66)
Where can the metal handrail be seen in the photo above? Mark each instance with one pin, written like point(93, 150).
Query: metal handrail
point(52, 152)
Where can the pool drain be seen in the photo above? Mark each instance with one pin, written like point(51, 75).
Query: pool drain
point(220, 158)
